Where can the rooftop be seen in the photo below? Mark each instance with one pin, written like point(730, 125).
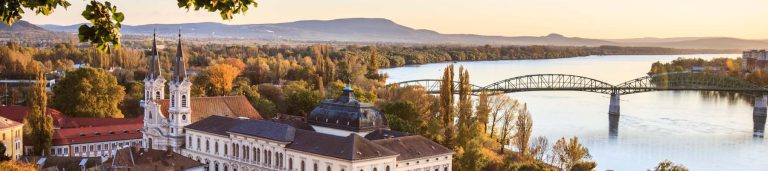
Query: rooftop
point(203, 107)
point(147, 159)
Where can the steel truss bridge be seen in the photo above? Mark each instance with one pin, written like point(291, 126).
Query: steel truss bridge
point(690, 81)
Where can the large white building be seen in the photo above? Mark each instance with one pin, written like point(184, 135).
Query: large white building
point(227, 134)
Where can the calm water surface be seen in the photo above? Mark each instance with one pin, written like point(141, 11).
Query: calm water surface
point(682, 126)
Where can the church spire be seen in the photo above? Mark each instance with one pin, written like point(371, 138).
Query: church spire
point(180, 67)
point(154, 60)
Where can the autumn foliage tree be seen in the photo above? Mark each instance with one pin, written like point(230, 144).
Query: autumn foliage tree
point(220, 78)
point(38, 126)
point(88, 92)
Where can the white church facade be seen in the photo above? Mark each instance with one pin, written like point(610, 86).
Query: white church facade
point(227, 134)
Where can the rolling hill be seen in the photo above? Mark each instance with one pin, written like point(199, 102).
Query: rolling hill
point(384, 30)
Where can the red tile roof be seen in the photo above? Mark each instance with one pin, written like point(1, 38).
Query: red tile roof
point(72, 122)
point(18, 113)
point(228, 106)
point(7, 123)
point(97, 133)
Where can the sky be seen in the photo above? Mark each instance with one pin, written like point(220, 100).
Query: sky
point(603, 19)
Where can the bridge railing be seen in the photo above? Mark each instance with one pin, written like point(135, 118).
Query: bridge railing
point(563, 82)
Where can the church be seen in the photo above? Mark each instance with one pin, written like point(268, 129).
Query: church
point(227, 134)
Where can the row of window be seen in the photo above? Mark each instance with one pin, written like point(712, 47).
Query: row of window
point(241, 152)
point(93, 147)
point(16, 134)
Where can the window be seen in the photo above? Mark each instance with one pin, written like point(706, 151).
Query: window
point(216, 147)
point(173, 103)
point(290, 163)
point(374, 169)
point(157, 95)
point(328, 168)
point(302, 165)
point(225, 149)
point(387, 169)
point(206, 145)
point(184, 117)
point(77, 149)
point(257, 155)
point(150, 115)
point(198, 143)
point(183, 100)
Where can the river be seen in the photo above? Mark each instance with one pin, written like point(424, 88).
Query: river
point(682, 126)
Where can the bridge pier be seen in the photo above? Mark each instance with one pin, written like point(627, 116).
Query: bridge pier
point(759, 115)
point(613, 116)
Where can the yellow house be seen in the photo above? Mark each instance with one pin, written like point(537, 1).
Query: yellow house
point(11, 136)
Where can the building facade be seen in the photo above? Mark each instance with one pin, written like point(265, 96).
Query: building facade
point(353, 137)
point(754, 60)
point(83, 137)
point(12, 133)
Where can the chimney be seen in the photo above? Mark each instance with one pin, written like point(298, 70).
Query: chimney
point(168, 151)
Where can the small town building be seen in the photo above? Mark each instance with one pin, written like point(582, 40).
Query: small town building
point(754, 60)
point(12, 137)
point(83, 137)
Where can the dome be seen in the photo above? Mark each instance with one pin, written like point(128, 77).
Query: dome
point(346, 113)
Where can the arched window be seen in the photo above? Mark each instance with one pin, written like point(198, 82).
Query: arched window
point(198, 143)
point(374, 169)
point(216, 167)
point(445, 168)
point(190, 142)
point(328, 168)
point(302, 166)
point(315, 167)
point(225, 149)
point(258, 155)
point(183, 100)
point(207, 145)
point(157, 95)
point(150, 115)
point(387, 169)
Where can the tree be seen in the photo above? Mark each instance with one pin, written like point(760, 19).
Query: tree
point(220, 78)
point(539, 147)
point(471, 157)
point(483, 110)
point(88, 92)
point(523, 126)
point(373, 66)
point(301, 102)
point(466, 124)
point(568, 153)
point(3, 157)
point(38, 125)
point(17, 166)
point(584, 166)
point(406, 113)
point(499, 106)
point(104, 29)
point(507, 117)
point(446, 104)
point(667, 165)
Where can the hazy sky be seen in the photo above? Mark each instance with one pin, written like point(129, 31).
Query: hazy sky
point(573, 18)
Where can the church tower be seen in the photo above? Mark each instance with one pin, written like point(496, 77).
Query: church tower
point(154, 89)
point(180, 109)
point(154, 83)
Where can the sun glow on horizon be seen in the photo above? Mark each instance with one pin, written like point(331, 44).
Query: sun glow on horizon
point(605, 19)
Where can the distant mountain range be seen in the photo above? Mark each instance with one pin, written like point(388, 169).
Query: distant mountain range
point(377, 30)
point(21, 26)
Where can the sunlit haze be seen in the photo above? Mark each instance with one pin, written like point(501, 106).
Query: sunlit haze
point(582, 18)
